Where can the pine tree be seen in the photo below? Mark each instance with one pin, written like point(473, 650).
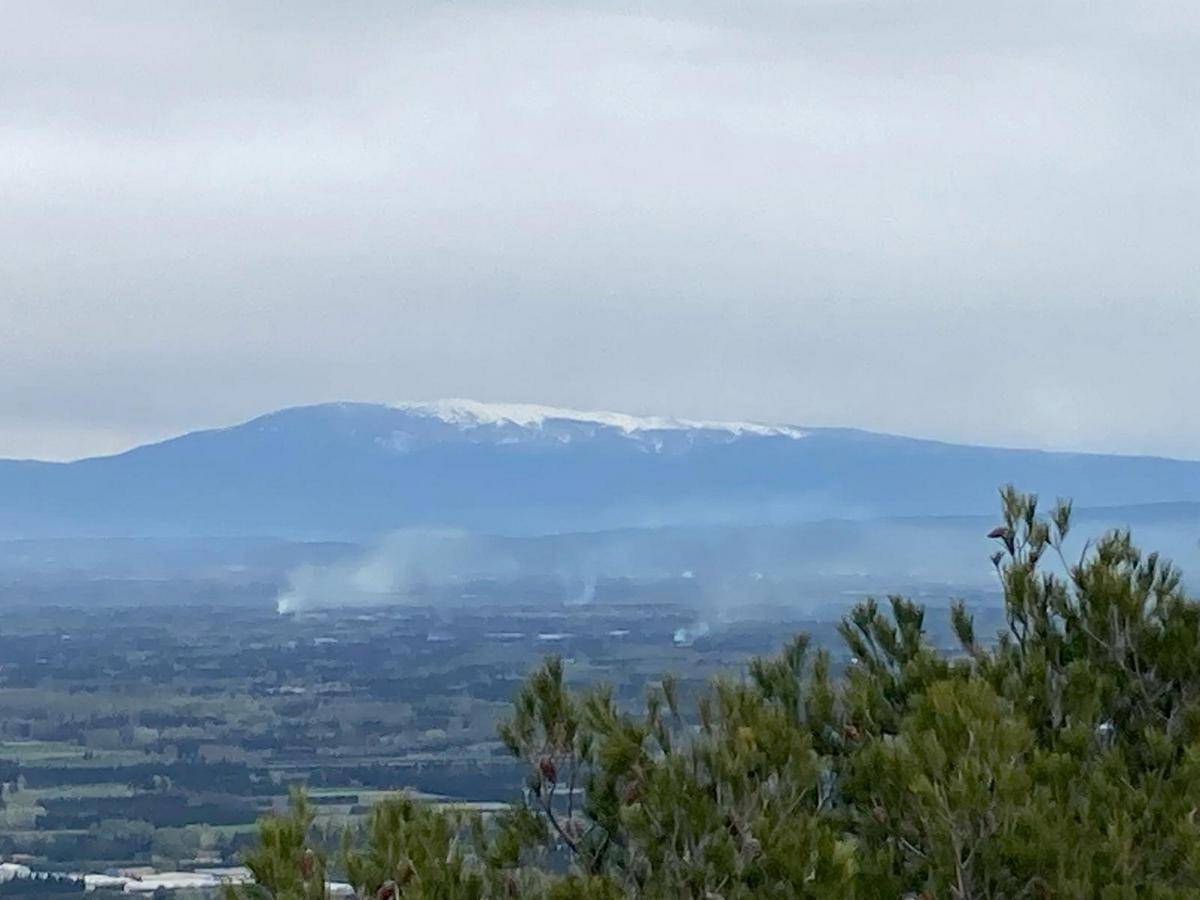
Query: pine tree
point(1061, 759)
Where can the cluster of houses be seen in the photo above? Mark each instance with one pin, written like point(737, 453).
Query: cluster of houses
point(143, 880)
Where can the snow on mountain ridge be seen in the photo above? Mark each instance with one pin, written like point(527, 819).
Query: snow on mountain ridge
point(473, 414)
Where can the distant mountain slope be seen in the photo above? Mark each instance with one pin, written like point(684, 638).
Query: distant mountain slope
point(352, 470)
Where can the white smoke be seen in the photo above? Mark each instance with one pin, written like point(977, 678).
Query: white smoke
point(404, 563)
point(687, 635)
point(587, 594)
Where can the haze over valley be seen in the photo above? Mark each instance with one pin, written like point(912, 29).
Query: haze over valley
point(358, 504)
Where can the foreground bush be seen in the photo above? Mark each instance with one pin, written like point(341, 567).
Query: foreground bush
point(1061, 759)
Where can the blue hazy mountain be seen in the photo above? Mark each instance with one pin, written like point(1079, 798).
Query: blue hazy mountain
point(352, 470)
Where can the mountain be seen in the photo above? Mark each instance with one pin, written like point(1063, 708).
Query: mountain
point(352, 470)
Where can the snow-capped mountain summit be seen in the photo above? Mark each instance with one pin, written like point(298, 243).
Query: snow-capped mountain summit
point(474, 414)
point(440, 421)
point(356, 469)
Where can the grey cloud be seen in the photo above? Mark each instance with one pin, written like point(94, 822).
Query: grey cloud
point(966, 220)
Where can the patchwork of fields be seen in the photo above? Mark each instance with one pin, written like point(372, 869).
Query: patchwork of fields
point(156, 734)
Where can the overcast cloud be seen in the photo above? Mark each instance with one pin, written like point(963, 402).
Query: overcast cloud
point(968, 220)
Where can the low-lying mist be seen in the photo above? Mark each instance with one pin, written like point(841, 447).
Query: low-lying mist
point(728, 569)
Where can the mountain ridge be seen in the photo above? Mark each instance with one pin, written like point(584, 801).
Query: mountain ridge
point(354, 469)
point(535, 415)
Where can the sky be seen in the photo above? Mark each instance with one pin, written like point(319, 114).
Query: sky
point(966, 220)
